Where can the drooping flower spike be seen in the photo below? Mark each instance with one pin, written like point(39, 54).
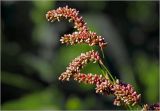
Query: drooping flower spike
point(78, 63)
point(69, 13)
point(83, 35)
point(124, 93)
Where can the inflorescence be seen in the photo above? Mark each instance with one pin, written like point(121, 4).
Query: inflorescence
point(124, 93)
point(82, 35)
point(78, 63)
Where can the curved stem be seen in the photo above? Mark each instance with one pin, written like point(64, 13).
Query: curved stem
point(102, 53)
point(108, 72)
point(105, 75)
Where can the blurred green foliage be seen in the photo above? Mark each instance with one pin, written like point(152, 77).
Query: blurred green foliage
point(17, 80)
point(32, 57)
point(148, 74)
point(40, 100)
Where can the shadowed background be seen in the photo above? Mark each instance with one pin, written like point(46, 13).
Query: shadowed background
point(33, 58)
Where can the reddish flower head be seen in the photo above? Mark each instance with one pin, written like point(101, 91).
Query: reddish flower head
point(78, 63)
point(83, 35)
point(70, 13)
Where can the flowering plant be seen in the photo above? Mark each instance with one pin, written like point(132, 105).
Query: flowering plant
point(105, 84)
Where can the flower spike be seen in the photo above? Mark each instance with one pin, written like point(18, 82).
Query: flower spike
point(68, 13)
point(78, 63)
point(83, 35)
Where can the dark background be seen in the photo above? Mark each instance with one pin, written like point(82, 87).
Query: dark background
point(32, 57)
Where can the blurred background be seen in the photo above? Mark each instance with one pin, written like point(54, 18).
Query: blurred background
point(33, 58)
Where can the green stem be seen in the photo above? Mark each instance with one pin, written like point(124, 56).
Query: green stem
point(102, 53)
point(108, 72)
point(104, 74)
point(129, 107)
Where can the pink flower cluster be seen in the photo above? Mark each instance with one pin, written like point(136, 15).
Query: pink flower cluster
point(103, 86)
point(78, 63)
point(70, 13)
point(83, 35)
point(88, 78)
point(155, 107)
point(90, 38)
point(125, 94)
